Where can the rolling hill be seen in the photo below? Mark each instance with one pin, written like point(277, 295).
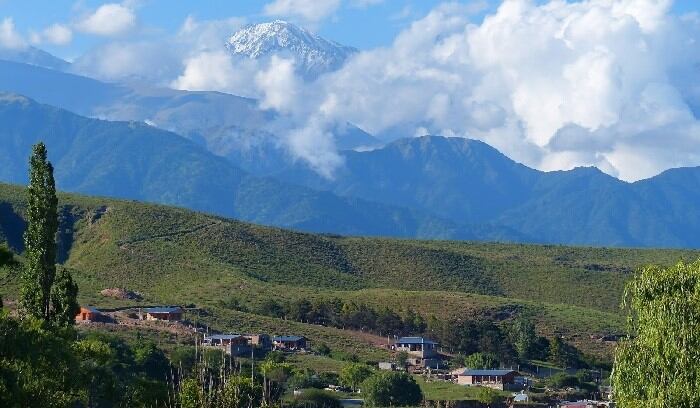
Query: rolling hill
point(176, 256)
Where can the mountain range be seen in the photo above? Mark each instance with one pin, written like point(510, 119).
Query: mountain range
point(217, 153)
point(140, 162)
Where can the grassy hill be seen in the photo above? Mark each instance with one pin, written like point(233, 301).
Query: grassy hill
point(177, 256)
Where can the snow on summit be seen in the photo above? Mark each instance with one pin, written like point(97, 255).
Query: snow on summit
point(312, 54)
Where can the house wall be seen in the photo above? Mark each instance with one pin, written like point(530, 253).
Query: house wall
point(291, 344)
point(495, 382)
point(164, 316)
point(87, 315)
point(418, 350)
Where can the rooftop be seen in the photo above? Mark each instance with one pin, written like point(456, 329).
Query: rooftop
point(414, 340)
point(168, 309)
point(287, 338)
point(487, 372)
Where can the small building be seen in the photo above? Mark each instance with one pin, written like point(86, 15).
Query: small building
point(171, 314)
point(417, 346)
point(233, 344)
point(224, 339)
point(496, 379)
point(422, 352)
point(89, 314)
point(289, 342)
point(261, 341)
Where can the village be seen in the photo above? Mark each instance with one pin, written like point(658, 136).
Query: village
point(416, 355)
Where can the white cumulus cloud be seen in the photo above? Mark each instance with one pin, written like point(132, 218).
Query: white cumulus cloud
point(9, 37)
point(555, 85)
point(108, 20)
point(278, 84)
point(57, 34)
point(308, 11)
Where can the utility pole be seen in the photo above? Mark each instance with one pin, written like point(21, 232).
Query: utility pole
point(252, 365)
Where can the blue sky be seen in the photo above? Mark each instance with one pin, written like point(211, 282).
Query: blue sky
point(366, 25)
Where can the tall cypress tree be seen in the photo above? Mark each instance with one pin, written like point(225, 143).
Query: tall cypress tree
point(40, 237)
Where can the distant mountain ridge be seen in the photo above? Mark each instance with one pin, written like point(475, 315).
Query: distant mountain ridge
point(132, 160)
point(34, 56)
point(469, 182)
point(314, 55)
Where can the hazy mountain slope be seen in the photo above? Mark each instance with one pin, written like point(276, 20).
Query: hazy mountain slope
point(467, 181)
point(75, 93)
point(117, 159)
point(672, 199)
point(227, 125)
point(34, 56)
point(585, 206)
point(463, 180)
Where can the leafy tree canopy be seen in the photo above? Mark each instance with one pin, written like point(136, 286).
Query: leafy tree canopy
point(659, 364)
point(391, 389)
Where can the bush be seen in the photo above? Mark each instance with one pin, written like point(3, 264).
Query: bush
point(488, 396)
point(562, 380)
point(481, 361)
point(354, 374)
point(315, 399)
point(391, 389)
point(323, 349)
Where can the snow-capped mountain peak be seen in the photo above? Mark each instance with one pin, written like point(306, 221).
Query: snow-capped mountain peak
point(313, 54)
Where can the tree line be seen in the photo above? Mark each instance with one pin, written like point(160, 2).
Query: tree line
point(340, 314)
point(508, 343)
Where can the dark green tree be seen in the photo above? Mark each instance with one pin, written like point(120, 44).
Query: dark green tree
point(64, 294)
point(353, 374)
point(40, 237)
point(523, 337)
point(391, 389)
point(564, 354)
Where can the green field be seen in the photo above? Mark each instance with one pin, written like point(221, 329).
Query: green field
point(176, 256)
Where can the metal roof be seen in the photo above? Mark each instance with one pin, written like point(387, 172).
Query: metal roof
point(287, 338)
point(164, 309)
point(414, 340)
point(91, 308)
point(488, 372)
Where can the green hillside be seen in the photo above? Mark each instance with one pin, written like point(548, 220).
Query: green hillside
point(177, 256)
